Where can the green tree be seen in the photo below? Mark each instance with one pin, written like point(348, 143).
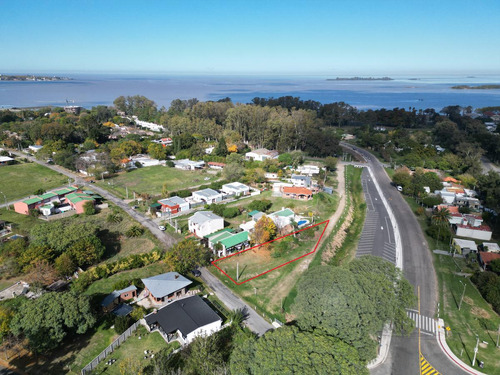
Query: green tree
point(205, 356)
point(64, 265)
point(402, 177)
point(264, 231)
point(157, 151)
point(187, 255)
point(89, 208)
point(86, 251)
point(45, 321)
point(233, 171)
point(290, 351)
point(331, 163)
point(221, 148)
point(134, 231)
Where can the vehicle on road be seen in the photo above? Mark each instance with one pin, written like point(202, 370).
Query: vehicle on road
point(400, 188)
point(196, 273)
point(161, 227)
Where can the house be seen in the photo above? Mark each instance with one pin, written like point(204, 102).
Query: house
point(299, 193)
point(144, 161)
point(189, 165)
point(61, 193)
point(271, 176)
point(73, 109)
point(248, 226)
point(216, 165)
point(114, 299)
point(491, 247)
point(472, 203)
point(173, 205)
point(212, 238)
point(208, 196)
point(229, 242)
point(472, 227)
point(301, 181)
point(283, 217)
point(307, 170)
point(205, 222)
point(448, 197)
point(464, 247)
point(256, 215)
point(35, 148)
point(184, 320)
point(78, 200)
point(261, 154)
point(24, 207)
point(166, 286)
point(149, 125)
point(5, 228)
point(5, 160)
point(235, 188)
point(485, 258)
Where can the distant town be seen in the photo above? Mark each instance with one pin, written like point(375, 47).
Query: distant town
point(361, 79)
point(4, 77)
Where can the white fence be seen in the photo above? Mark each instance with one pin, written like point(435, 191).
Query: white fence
point(110, 349)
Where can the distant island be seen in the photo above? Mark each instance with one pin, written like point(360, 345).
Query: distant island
point(4, 77)
point(480, 87)
point(360, 79)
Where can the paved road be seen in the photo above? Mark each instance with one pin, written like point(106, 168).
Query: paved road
point(488, 165)
point(419, 270)
point(254, 321)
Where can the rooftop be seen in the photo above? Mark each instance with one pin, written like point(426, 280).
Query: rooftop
point(207, 193)
point(185, 315)
point(487, 257)
point(234, 239)
point(165, 284)
point(296, 190)
point(202, 216)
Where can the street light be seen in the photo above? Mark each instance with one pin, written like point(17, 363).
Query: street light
point(461, 299)
point(475, 351)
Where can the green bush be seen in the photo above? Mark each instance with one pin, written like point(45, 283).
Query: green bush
point(230, 212)
point(260, 205)
point(432, 201)
point(122, 323)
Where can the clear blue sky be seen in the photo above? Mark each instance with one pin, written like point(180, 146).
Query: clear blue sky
point(251, 36)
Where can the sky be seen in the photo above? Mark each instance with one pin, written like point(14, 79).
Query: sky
point(311, 37)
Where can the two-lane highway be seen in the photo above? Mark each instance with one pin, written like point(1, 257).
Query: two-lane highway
point(404, 356)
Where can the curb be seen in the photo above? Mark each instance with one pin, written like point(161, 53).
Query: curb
point(441, 339)
point(385, 343)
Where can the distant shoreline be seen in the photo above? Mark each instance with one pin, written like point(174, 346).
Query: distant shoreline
point(480, 87)
point(32, 78)
point(361, 79)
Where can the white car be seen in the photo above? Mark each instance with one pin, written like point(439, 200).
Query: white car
point(161, 227)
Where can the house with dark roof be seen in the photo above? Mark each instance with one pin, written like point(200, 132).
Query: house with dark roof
point(165, 287)
point(184, 320)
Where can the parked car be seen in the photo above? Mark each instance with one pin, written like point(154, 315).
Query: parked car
point(400, 188)
point(161, 227)
point(196, 273)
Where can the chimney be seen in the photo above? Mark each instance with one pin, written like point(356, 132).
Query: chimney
point(176, 276)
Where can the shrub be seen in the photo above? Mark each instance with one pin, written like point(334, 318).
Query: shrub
point(420, 211)
point(134, 231)
point(260, 205)
point(122, 323)
point(230, 212)
point(432, 201)
point(88, 208)
point(114, 218)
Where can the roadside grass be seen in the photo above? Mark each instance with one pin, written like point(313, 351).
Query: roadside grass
point(390, 172)
point(133, 350)
point(21, 180)
point(151, 180)
point(476, 316)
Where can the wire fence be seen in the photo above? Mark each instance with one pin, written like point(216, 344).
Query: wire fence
point(110, 349)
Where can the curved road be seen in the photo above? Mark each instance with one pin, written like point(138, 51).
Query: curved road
point(418, 268)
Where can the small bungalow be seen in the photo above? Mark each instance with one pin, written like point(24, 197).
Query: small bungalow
point(216, 165)
point(491, 247)
point(78, 200)
point(211, 239)
point(173, 205)
point(232, 243)
point(301, 181)
point(299, 193)
point(24, 207)
point(485, 258)
point(5, 160)
point(203, 223)
point(308, 170)
point(283, 217)
point(165, 287)
point(472, 227)
point(464, 247)
point(261, 154)
point(189, 165)
point(116, 297)
point(184, 320)
point(208, 196)
point(235, 188)
point(5, 228)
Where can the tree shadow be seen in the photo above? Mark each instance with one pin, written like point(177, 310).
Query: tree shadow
point(464, 347)
point(111, 241)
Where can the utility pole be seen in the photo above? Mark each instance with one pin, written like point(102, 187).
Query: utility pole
point(461, 299)
point(126, 189)
point(475, 351)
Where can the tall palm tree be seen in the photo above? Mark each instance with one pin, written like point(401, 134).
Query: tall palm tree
point(441, 218)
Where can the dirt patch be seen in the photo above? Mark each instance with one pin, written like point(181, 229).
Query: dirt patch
point(339, 237)
point(480, 312)
point(469, 301)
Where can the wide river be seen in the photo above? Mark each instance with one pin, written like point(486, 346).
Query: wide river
point(419, 92)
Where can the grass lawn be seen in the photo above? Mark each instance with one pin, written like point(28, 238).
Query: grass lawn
point(133, 350)
point(151, 180)
point(476, 316)
point(390, 172)
point(21, 180)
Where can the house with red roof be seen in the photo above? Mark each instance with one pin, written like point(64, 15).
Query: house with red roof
point(294, 192)
point(485, 258)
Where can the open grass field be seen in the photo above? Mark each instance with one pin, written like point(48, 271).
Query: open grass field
point(21, 180)
point(132, 351)
point(248, 264)
point(151, 180)
point(476, 316)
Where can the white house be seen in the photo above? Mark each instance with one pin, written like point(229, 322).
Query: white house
point(149, 125)
point(189, 165)
point(207, 195)
point(261, 154)
point(492, 247)
point(472, 227)
point(35, 148)
point(185, 319)
point(282, 218)
point(301, 181)
point(235, 188)
point(308, 170)
point(203, 223)
point(145, 160)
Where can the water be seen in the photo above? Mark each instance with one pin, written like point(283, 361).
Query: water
point(403, 92)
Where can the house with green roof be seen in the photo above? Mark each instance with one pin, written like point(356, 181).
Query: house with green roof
point(228, 242)
point(78, 200)
point(44, 202)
